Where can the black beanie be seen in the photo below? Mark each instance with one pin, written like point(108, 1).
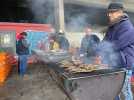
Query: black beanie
point(115, 6)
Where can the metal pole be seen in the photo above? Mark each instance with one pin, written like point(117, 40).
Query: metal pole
point(59, 15)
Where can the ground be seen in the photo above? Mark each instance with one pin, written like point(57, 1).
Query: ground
point(37, 86)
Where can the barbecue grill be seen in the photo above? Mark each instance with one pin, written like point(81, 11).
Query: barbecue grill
point(103, 84)
point(51, 56)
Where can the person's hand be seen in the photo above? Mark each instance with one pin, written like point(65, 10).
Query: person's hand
point(81, 55)
point(98, 60)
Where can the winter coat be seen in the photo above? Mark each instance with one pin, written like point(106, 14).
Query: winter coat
point(121, 35)
point(63, 42)
point(89, 44)
point(22, 47)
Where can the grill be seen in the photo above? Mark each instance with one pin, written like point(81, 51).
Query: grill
point(51, 56)
point(104, 84)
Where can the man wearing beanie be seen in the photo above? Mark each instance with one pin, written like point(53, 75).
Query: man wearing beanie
point(121, 34)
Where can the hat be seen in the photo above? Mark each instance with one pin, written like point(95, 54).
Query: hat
point(115, 6)
point(23, 33)
point(61, 32)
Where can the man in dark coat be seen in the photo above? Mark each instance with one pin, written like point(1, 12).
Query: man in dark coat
point(22, 50)
point(121, 34)
point(88, 46)
point(63, 41)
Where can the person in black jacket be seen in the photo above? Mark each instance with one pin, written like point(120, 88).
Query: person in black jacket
point(89, 44)
point(22, 50)
point(63, 41)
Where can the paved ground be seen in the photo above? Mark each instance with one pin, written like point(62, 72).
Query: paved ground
point(37, 86)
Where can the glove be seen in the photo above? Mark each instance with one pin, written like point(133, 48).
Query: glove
point(81, 55)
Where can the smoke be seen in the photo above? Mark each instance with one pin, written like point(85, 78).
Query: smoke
point(77, 17)
point(43, 10)
point(108, 54)
point(76, 23)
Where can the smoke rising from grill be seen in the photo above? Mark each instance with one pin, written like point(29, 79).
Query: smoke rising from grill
point(76, 23)
point(109, 56)
point(42, 10)
point(78, 17)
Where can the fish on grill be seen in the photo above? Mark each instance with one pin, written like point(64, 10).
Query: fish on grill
point(83, 67)
point(66, 63)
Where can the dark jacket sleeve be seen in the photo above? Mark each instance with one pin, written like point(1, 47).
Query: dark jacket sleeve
point(125, 38)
